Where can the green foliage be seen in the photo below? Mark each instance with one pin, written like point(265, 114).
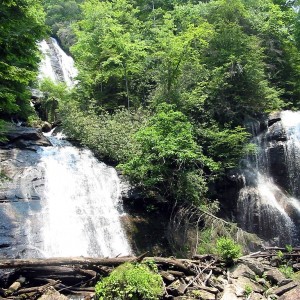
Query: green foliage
point(110, 136)
point(53, 94)
point(289, 248)
point(286, 270)
point(280, 255)
point(3, 130)
point(130, 281)
point(201, 68)
point(248, 290)
point(228, 249)
point(60, 15)
point(167, 156)
point(22, 25)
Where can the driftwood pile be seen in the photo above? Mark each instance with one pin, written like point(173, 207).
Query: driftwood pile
point(203, 277)
point(30, 278)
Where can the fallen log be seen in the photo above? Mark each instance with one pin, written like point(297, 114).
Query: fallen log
point(63, 261)
point(172, 263)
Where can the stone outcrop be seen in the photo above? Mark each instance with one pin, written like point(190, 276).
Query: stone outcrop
point(24, 138)
point(21, 186)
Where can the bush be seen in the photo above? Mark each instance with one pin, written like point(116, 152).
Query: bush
point(228, 249)
point(131, 281)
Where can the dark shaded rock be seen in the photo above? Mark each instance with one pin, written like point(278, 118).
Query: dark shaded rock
point(276, 133)
point(285, 288)
point(291, 295)
point(275, 276)
point(277, 165)
point(274, 118)
point(46, 127)
point(24, 137)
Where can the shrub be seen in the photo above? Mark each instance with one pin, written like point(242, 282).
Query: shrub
point(131, 281)
point(228, 249)
point(287, 271)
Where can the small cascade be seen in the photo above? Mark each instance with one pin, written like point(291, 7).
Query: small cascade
point(56, 64)
point(268, 201)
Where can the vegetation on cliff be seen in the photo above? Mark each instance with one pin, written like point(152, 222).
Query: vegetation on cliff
point(194, 71)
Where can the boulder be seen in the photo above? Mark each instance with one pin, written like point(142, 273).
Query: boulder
point(242, 270)
point(229, 293)
point(285, 288)
point(253, 264)
point(275, 276)
point(291, 295)
point(52, 294)
point(46, 127)
point(205, 295)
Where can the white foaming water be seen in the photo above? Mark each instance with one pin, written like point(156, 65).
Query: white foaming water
point(56, 64)
point(269, 205)
point(81, 205)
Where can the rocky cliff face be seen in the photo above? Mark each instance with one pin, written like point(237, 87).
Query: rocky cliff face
point(268, 202)
point(20, 187)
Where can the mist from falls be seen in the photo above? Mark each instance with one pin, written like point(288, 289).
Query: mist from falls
point(268, 202)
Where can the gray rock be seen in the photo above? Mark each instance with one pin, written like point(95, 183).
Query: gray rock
point(242, 282)
point(256, 266)
point(205, 295)
point(293, 294)
point(275, 276)
point(256, 296)
point(52, 294)
point(229, 293)
point(285, 288)
point(23, 137)
point(242, 270)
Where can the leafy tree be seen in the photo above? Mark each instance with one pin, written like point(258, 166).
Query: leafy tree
point(167, 154)
point(22, 25)
point(60, 15)
point(110, 51)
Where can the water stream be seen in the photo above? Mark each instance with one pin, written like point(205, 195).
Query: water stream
point(268, 202)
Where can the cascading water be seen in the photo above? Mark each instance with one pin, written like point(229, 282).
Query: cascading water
point(56, 64)
point(80, 205)
point(78, 209)
point(268, 201)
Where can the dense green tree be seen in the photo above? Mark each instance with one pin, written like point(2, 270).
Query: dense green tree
point(21, 26)
point(110, 51)
point(60, 15)
point(168, 156)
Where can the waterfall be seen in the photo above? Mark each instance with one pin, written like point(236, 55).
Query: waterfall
point(56, 64)
point(268, 201)
point(79, 210)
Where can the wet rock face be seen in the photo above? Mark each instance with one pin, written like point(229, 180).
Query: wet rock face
point(21, 186)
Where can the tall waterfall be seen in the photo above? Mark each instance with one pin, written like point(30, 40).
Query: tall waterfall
point(56, 64)
point(80, 205)
point(79, 209)
point(268, 201)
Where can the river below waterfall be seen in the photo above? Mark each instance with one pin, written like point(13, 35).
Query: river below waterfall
point(60, 201)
